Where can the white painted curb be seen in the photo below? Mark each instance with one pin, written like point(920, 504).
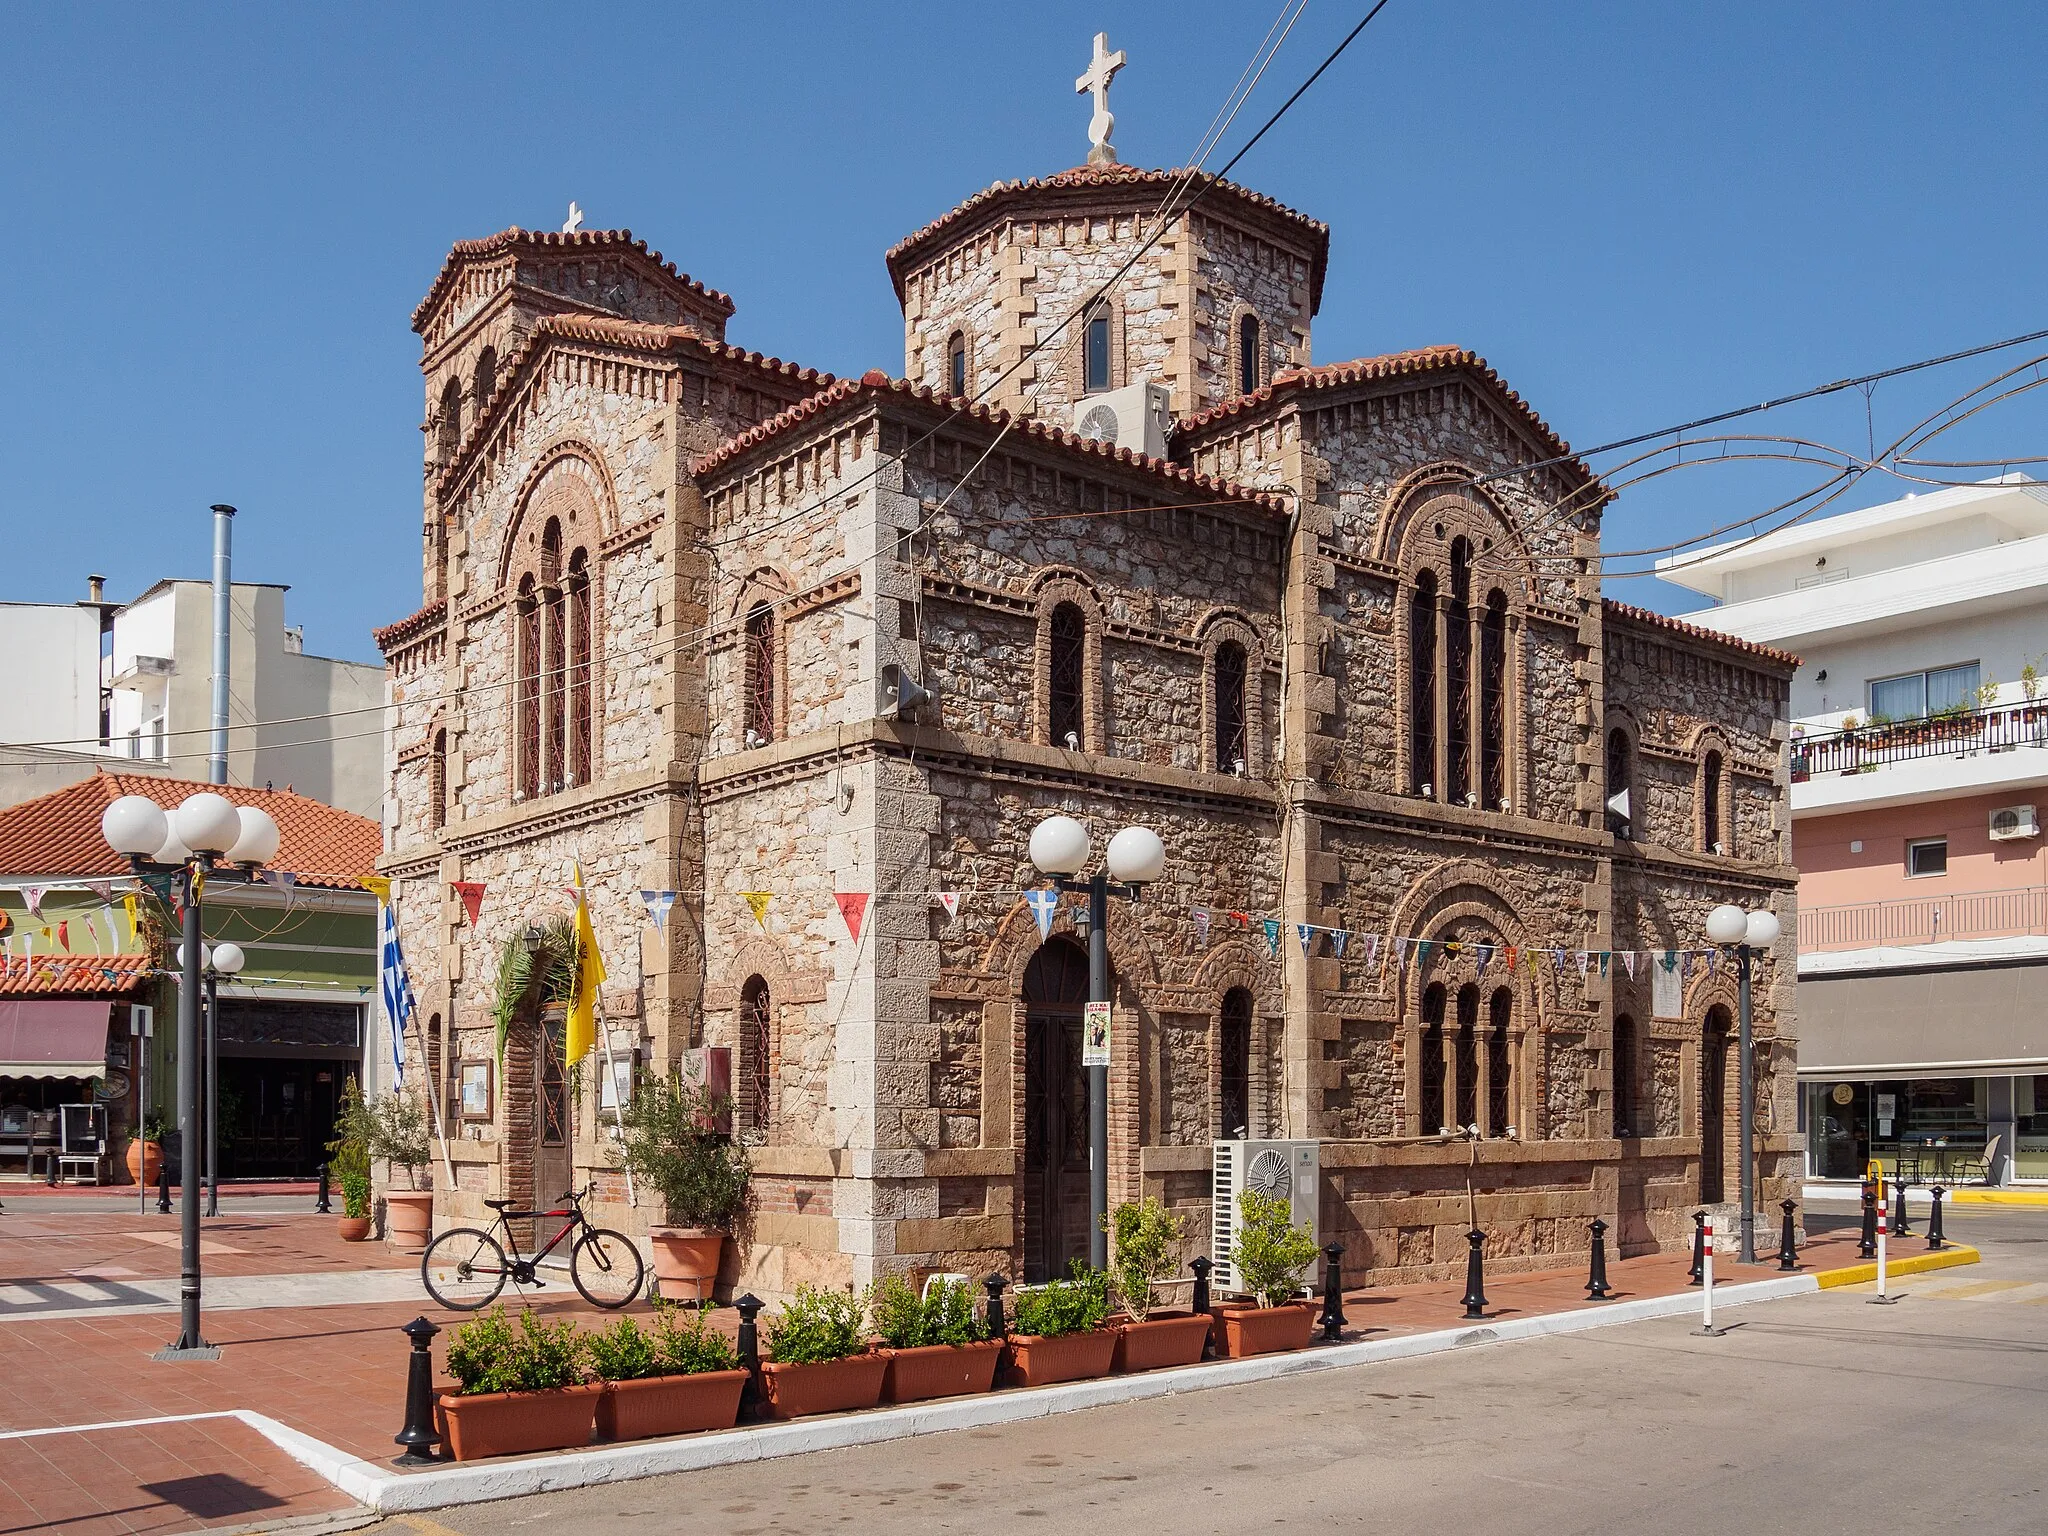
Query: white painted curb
point(388, 1491)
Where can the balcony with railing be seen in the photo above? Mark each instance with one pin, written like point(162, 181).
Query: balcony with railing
point(2018, 913)
point(1959, 751)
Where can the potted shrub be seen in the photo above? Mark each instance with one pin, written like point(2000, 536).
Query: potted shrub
point(818, 1360)
point(672, 1379)
point(937, 1344)
point(517, 1391)
point(351, 1165)
point(1272, 1257)
point(1148, 1241)
point(393, 1130)
point(146, 1152)
point(674, 1142)
point(1058, 1333)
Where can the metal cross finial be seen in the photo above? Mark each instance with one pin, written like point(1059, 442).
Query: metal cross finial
point(1101, 70)
point(575, 220)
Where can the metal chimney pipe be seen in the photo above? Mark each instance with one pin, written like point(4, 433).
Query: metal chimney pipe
point(223, 587)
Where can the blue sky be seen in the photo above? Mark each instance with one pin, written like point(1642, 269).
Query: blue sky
point(220, 219)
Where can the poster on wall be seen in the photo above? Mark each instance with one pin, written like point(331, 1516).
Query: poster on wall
point(1667, 989)
point(1095, 1035)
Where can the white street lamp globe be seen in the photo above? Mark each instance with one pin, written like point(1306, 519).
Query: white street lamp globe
point(228, 959)
point(1762, 929)
point(207, 823)
point(1727, 925)
point(1136, 856)
point(258, 843)
point(134, 825)
point(205, 956)
point(172, 850)
point(1059, 845)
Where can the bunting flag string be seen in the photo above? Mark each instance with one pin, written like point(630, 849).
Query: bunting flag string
point(1043, 904)
point(1201, 917)
point(657, 904)
point(757, 902)
point(1628, 959)
point(472, 894)
point(853, 905)
point(1340, 939)
point(1307, 935)
point(1272, 928)
point(33, 896)
point(950, 900)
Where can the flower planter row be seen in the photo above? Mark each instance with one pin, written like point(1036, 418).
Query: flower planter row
point(517, 1423)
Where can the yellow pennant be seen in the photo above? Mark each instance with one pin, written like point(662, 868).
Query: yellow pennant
point(378, 887)
point(128, 905)
point(758, 900)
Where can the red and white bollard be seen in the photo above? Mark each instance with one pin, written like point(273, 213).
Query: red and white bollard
point(1883, 1229)
point(1707, 1281)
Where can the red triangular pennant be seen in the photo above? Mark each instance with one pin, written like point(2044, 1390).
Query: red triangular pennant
point(853, 906)
point(472, 894)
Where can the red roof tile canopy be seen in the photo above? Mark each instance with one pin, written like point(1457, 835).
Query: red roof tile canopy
point(62, 975)
point(464, 252)
point(876, 385)
point(1084, 183)
point(1628, 613)
point(58, 834)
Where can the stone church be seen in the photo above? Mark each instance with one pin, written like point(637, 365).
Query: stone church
point(1333, 630)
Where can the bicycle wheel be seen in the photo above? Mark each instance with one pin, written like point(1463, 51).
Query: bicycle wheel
point(464, 1269)
point(606, 1268)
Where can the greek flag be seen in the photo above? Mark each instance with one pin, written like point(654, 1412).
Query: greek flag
point(396, 988)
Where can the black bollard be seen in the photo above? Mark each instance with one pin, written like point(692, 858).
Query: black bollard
point(1199, 1302)
point(1936, 1238)
point(1475, 1275)
point(418, 1436)
point(1788, 1254)
point(749, 1307)
point(1867, 1248)
point(1333, 1293)
point(1699, 1248)
point(322, 1207)
point(997, 1325)
point(163, 1187)
point(1597, 1288)
point(1898, 1211)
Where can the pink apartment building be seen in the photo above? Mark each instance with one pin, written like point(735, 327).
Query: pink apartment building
point(1919, 756)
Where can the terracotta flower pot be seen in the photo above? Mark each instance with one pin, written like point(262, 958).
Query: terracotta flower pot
point(145, 1161)
point(832, 1386)
point(940, 1370)
point(353, 1229)
point(669, 1405)
point(1162, 1339)
point(408, 1219)
point(1033, 1360)
point(514, 1423)
point(1245, 1331)
point(686, 1261)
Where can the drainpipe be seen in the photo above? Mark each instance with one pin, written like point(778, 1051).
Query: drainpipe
point(223, 539)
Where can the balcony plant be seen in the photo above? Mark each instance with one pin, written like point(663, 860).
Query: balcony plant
point(674, 1140)
point(674, 1378)
point(1272, 1257)
point(937, 1342)
point(1058, 1333)
point(517, 1390)
point(1147, 1243)
point(818, 1360)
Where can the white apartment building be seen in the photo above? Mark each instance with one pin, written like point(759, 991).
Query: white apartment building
point(133, 682)
point(1919, 757)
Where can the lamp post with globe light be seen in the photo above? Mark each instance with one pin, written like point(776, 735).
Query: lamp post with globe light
point(1136, 857)
point(204, 830)
point(1749, 934)
point(226, 960)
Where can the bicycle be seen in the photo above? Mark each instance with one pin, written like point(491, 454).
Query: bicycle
point(465, 1267)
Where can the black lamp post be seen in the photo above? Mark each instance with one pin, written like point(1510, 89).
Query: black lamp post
point(1749, 934)
point(221, 960)
point(1136, 857)
point(206, 827)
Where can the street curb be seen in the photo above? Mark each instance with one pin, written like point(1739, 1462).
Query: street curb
point(2036, 1198)
point(1919, 1263)
point(378, 1487)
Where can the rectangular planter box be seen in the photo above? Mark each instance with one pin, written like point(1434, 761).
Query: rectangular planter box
point(1242, 1331)
point(1035, 1361)
point(940, 1370)
point(835, 1386)
point(518, 1423)
point(1161, 1340)
point(670, 1405)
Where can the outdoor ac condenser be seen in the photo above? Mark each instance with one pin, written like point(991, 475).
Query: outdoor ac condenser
point(2012, 821)
point(1137, 417)
point(1291, 1170)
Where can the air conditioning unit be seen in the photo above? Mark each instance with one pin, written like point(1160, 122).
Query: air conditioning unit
point(2011, 821)
point(1136, 417)
point(1291, 1170)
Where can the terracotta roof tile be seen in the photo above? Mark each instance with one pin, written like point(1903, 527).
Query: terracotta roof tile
point(875, 383)
point(463, 252)
point(1629, 612)
point(411, 627)
point(62, 975)
point(59, 833)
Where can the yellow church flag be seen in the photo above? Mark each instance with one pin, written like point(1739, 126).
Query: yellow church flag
point(581, 1034)
point(758, 900)
point(378, 887)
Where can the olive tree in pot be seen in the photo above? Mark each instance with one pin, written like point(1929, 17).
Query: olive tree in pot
point(1272, 1258)
point(393, 1130)
point(1149, 1240)
point(673, 1141)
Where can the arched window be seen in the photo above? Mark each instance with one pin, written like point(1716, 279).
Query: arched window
point(527, 688)
point(1232, 744)
point(1500, 1063)
point(1493, 704)
point(1095, 352)
point(1247, 354)
point(1710, 804)
point(486, 378)
point(1620, 801)
point(580, 718)
point(758, 720)
point(1624, 1075)
point(1067, 663)
point(1468, 1055)
point(1234, 1065)
point(956, 363)
point(437, 782)
point(1714, 1106)
point(1433, 1114)
point(1422, 686)
point(1458, 679)
point(448, 427)
point(756, 1077)
point(554, 664)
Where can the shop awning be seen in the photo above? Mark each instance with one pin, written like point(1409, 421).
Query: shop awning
point(43, 1037)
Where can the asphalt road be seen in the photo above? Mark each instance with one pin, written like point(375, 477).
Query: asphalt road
point(1814, 1414)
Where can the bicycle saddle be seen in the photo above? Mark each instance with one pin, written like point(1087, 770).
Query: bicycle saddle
point(501, 1205)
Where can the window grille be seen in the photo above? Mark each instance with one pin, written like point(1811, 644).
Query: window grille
point(1232, 741)
point(759, 714)
point(1068, 663)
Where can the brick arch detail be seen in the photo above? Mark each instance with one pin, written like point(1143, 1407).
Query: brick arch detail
point(1016, 941)
point(1050, 590)
point(1450, 485)
point(568, 462)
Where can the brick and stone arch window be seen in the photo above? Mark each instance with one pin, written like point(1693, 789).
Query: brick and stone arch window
point(1233, 702)
point(1620, 781)
point(448, 423)
point(437, 781)
point(1068, 682)
point(554, 686)
point(485, 383)
point(1250, 373)
point(1624, 1075)
point(1234, 1065)
point(1456, 687)
point(526, 688)
point(553, 694)
point(1422, 674)
point(1493, 704)
point(1714, 825)
point(1233, 743)
point(1096, 354)
point(1715, 1049)
point(577, 656)
point(1467, 1055)
point(755, 1078)
point(957, 355)
point(1500, 1062)
point(1432, 1114)
point(758, 658)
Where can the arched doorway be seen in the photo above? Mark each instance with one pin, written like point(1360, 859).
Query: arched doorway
point(1714, 1107)
point(1055, 1110)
